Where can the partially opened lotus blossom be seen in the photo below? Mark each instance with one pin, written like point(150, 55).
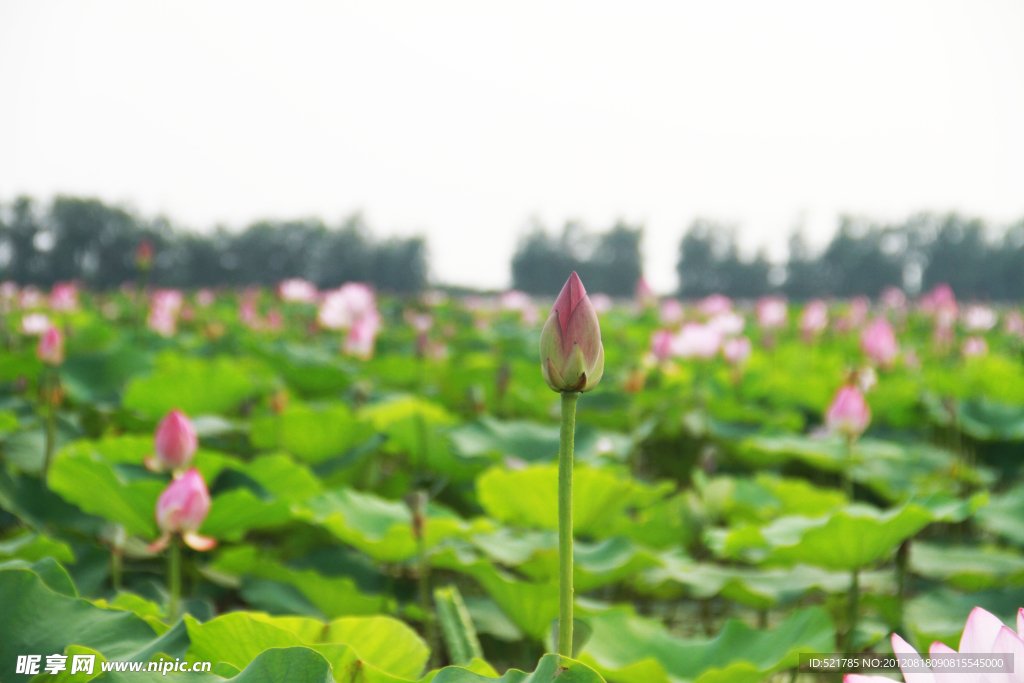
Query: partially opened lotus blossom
point(175, 442)
point(698, 341)
point(814, 319)
point(984, 634)
point(772, 312)
point(879, 342)
point(975, 346)
point(181, 510)
point(50, 349)
point(849, 413)
point(736, 350)
point(35, 324)
point(571, 353)
point(298, 290)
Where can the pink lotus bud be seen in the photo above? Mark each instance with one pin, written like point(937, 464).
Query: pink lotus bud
point(879, 342)
point(814, 319)
point(849, 413)
point(50, 349)
point(182, 509)
point(175, 442)
point(571, 353)
point(736, 350)
point(975, 346)
point(662, 343)
point(772, 312)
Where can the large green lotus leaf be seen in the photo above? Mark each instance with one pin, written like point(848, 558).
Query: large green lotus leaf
point(990, 421)
point(855, 536)
point(238, 638)
point(756, 588)
point(234, 512)
point(492, 440)
point(37, 619)
point(312, 370)
point(1004, 515)
point(830, 453)
point(38, 506)
point(663, 524)
point(134, 449)
point(283, 477)
point(66, 676)
point(594, 564)
point(630, 649)
point(768, 377)
point(196, 386)
point(411, 423)
point(291, 664)
point(529, 497)
point(550, 669)
point(310, 433)
point(383, 528)
point(101, 375)
point(50, 571)
point(765, 497)
point(81, 476)
point(31, 547)
point(940, 615)
point(967, 568)
point(530, 606)
point(332, 595)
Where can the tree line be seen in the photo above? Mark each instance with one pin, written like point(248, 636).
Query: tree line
point(94, 243)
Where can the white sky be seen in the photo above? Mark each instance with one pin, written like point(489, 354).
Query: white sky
point(462, 120)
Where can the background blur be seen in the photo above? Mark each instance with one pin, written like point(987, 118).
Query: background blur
point(809, 148)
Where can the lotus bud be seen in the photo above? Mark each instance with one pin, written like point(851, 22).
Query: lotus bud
point(175, 442)
point(181, 510)
point(50, 349)
point(571, 354)
point(849, 413)
point(879, 342)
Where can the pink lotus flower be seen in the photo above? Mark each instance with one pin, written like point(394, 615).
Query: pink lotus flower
point(894, 299)
point(421, 322)
point(50, 349)
point(341, 307)
point(362, 335)
point(940, 298)
point(879, 342)
point(772, 312)
point(814, 319)
point(849, 413)
point(297, 289)
point(205, 297)
point(64, 296)
point(602, 302)
point(983, 634)
point(670, 311)
point(975, 346)
point(698, 341)
point(979, 318)
point(34, 324)
point(1013, 323)
point(181, 510)
point(715, 304)
point(662, 344)
point(571, 353)
point(737, 350)
point(728, 323)
point(163, 311)
point(175, 442)
point(514, 300)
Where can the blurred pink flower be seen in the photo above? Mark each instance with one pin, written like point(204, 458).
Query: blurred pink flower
point(181, 509)
point(362, 335)
point(670, 311)
point(297, 289)
point(514, 300)
point(856, 315)
point(772, 312)
point(1013, 323)
point(697, 341)
point(34, 324)
point(64, 296)
point(849, 413)
point(30, 297)
point(645, 296)
point(174, 443)
point(602, 302)
point(50, 349)
point(879, 342)
point(983, 634)
point(205, 297)
point(978, 318)
point(341, 307)
point(975, 346)
point(893, 299)
point(814, 318)
point(163, 311)
point(421, 322)
point(662, 344)
point(715, 304)
point(728, 323)
point(736, 350)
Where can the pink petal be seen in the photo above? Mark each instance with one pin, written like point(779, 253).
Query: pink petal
point(939, 649)
point(159, 544)
point(980, 632)
point(1020, 622)
point(197, 542)
point(902, 647)
point(1008, 641)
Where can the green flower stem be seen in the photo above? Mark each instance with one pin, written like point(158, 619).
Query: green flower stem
point(174, 572)
point(565, 448)
point(50, 383)
point(854, 605)
point(848, 459)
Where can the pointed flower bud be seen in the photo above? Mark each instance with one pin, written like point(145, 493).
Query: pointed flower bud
point(849, 413)
point(50, 349)
point(571, 354)
point(175, 442)
point(182, 509)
